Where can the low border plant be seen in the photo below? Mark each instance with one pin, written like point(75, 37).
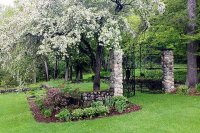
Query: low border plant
point(47, 112)
point(77, 114)
point(198, 87)
point(64, 115)
point(89, 112)
point(182, 90)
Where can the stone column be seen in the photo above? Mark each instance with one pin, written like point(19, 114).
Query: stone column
point(116, 78)
point(168, 71)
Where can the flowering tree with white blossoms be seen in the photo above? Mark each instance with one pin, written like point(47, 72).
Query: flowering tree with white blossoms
point(87, 29)
point(62, 25)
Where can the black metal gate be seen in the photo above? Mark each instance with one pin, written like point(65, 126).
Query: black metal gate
point(142, 70)
point(129, 82)
point(150, 69)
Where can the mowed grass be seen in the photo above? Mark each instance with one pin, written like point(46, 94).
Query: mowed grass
point(83, 86)
point(160, 114)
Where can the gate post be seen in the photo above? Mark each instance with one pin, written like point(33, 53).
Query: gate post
point(168, 70)
point(116, 78)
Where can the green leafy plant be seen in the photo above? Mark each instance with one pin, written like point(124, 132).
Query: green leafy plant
point(96, 104)
point(67, 88)
point(89, 112)
point(39, 103)
point(108, 102)
point(182, 90)
point(47, 112)
point(102, 110)
point(198, 87)
point(64, 115)
point(75, 93)
point(36, 92)
point(120, 106)
point(77, 113)
point(119, 98)
point(120, 103)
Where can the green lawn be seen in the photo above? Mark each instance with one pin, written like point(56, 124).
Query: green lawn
point(160, 114)
point(83, 86)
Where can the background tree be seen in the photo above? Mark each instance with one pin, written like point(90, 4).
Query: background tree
point(192, 77)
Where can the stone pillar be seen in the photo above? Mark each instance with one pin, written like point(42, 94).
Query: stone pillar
point(116, 78)
point(168, 71)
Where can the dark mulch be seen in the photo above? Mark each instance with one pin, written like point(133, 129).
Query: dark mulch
point(40, 118)
point(38, 115)
point(195, 94)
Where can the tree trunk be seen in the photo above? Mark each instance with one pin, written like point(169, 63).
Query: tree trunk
point(81, 72)
point(34, 77)
point(192, 78)
point(93, 65)
point(96, 82)
point(105, 64)
point(71, 72)
point(77, 71)
point(46, 69)
point(66, 69)
point(198, 58)
point(88, 51)
point(34, 73)
point(56, 69)
point(198, 63)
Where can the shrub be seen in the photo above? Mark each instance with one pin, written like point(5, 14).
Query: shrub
point(56, 100)
point(51, 93)
point(89, 112)
point(39, 103)
point(182, 90)
point(97, 104)
point(198, 87)
point(102, 110)
point(75, 93)
point(64, 115)
point(119, 98)
point(61, 100)
point(48, 102)
point(77, 113)
point(46, 112)
point(119, 103)
point(6, 80)
point(67, 88)
point(109, 102)
point(120, 106)
point(49, 99)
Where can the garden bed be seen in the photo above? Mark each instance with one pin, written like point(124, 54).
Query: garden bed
point(39, 117)
point(67, 104)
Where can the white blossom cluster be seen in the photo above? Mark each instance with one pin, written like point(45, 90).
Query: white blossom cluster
point(160, 6)
point(62, 23)
point(63, 31)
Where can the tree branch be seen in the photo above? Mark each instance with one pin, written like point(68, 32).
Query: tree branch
point(119, 5)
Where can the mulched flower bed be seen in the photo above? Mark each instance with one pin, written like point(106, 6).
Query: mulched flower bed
point(40, 118)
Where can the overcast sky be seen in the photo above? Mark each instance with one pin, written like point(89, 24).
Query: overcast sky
point(7, 2)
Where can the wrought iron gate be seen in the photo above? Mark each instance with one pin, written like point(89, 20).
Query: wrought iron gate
point(150, 69)
point(129, 82)
point(142, 70)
